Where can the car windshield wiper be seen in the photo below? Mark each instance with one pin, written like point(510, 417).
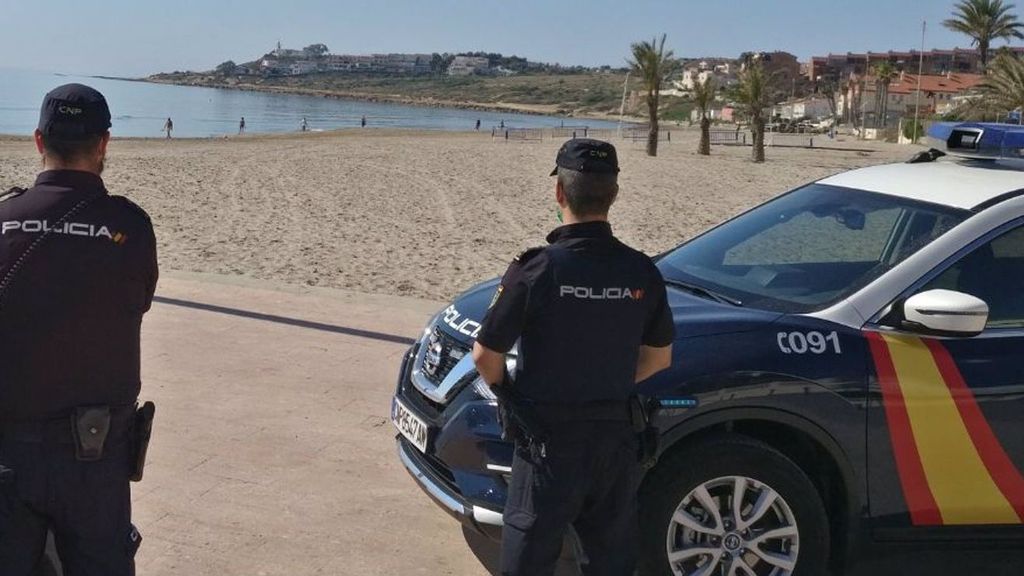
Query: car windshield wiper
point(702, 291)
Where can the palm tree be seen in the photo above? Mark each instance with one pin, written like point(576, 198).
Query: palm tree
point(1002, 90)
point(703, 98)
point(755, 93)
point(985, 21)
point(654, 65)
point(885, 72)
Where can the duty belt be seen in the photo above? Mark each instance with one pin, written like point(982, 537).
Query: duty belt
point(59, 430)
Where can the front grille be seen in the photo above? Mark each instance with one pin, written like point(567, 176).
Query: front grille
point(443, 352)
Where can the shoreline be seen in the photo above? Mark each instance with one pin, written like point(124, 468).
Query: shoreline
point(509, 107)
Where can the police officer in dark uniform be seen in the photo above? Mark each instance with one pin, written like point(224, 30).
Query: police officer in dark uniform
point(77, 271)
point(591, 318)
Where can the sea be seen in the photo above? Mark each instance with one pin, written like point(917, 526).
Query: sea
point(139, 109)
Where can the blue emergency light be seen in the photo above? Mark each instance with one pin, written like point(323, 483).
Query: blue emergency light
point(980, 140)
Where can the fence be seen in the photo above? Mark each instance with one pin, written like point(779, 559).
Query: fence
point(728, 137)
point(571, 132)
point(518, 134)
point(638, 134)
point(776, 139)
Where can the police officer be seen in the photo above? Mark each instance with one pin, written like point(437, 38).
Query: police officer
point(591, 318)
point(77, 272)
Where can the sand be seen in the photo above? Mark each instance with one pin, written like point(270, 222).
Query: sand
point(414, 213)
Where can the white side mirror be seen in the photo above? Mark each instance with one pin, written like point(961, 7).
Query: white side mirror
point(945, 313)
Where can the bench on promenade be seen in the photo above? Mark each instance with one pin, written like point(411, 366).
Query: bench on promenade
point(518, 134)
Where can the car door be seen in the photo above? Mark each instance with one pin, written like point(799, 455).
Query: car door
point(946, 415)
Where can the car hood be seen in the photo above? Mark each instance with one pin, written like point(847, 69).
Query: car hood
point(694, 316)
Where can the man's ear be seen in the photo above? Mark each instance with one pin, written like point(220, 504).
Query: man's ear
point(38, 136)
point(104, 140)
point(560, 194)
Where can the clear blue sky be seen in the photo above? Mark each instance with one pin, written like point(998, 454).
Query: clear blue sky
point(139, 37)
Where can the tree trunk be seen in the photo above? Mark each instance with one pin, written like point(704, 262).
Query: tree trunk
point(705, 136)
point(652, 134)
point(983, 52)
point(758, 152)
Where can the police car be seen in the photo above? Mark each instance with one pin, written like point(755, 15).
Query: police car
point(848, 379)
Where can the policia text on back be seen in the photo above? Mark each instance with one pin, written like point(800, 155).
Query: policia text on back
point(590, 318)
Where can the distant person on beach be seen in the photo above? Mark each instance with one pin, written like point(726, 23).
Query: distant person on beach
point(502, 125)
point(477, 123)
point(168, 127)
point(363, 122)
point(78, 269)
point(305, 125)
point(241, 125)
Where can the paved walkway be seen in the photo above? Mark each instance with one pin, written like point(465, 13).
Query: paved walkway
point(272, 452)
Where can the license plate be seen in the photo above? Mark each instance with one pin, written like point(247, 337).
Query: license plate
point(409, 425)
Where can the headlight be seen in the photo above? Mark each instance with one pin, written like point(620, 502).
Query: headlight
point(481, 387)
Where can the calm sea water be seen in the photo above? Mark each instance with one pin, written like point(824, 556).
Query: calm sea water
point(140, 109)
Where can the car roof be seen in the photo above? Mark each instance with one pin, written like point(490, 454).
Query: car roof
point(952, 182)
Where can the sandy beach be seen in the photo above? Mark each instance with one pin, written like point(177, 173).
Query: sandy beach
point(415, 213)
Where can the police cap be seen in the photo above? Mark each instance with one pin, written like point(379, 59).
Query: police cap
point(74, 112)
point(587, 155)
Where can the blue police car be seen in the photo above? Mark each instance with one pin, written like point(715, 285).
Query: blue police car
point(848, 377)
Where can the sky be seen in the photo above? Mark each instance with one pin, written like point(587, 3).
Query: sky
point(141, 37)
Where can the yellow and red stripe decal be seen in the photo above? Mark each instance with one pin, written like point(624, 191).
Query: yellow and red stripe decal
point(952, 468)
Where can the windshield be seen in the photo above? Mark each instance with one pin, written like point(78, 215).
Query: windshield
point(808, 249)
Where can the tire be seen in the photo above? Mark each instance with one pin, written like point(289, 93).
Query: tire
point(789, 538)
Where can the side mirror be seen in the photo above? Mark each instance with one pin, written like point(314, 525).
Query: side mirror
point(945, 313)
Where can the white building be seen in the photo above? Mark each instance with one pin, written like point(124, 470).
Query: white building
point(468, 65)
point(815, 108)
point(302, 67)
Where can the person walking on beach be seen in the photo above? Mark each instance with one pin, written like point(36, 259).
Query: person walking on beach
point(78, 269)
point(305, 125)
point(363, 122)
point(502, 125)
point(478, 124)
point(591, 318)
point(168, 127)
point(241, 125)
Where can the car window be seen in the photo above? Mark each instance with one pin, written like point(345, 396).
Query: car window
point(993, 272)
point(836, 242)
point(810, 248)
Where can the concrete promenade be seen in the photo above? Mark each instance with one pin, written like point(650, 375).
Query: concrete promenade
point(273, 453)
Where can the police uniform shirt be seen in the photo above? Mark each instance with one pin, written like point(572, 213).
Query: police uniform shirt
point(582, 307)
point(71, 318)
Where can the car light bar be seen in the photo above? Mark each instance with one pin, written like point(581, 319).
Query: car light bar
point(980, 140)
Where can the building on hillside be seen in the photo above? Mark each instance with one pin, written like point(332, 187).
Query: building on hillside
point(302, 67)
point(286, 53)
point(813, 107)
point(723, 74)
point(838, 67)
point(783, 66)
point(940, 93)
point(468, 65)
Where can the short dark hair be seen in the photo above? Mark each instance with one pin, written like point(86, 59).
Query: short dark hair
point(589, 193)
point(68, 151)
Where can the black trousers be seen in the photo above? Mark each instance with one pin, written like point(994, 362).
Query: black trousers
point(87, 505)
point(587, 478)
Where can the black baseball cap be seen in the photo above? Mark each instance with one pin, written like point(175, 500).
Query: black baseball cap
point(74, 112)
point(587, 155)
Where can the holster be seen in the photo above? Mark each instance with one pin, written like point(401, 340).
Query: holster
point(90, 426)
point(647, 435)
point(141, 433)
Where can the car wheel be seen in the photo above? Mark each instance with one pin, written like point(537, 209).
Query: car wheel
point(731, 506)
